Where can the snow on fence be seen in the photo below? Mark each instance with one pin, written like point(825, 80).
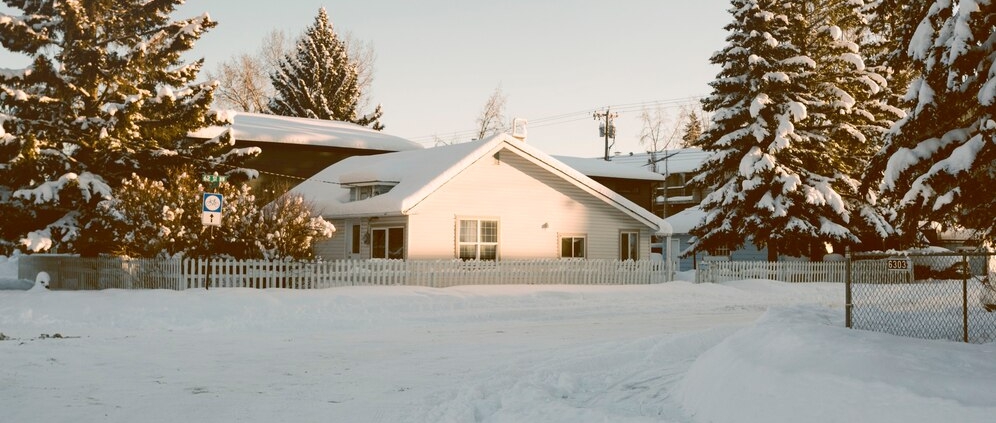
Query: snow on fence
point(75, 273)
point(786, 271)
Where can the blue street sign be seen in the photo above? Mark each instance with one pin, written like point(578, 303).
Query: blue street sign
point(212, 202)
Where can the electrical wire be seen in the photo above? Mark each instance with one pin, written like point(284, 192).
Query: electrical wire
point(571, 117)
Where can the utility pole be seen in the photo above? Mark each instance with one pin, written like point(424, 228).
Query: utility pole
point(606, 129)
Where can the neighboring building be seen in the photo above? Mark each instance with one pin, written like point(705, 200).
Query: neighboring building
point(300, 147)
point(682, 223)
point(678, 167)
point(498, 198)
point(637, 184)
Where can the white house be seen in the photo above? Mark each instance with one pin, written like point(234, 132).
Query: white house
point(498, 198)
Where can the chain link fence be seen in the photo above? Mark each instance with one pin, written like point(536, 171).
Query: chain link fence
point(932, 296)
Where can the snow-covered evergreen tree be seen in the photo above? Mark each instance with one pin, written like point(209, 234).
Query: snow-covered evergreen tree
point(692, 130)
point(938, 160)
point(106, 96)
point(791, 113)
point(318, 79)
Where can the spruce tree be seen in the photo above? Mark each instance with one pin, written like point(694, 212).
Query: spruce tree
point(938, 159)
point(693, 130)
point(106, 96)
point(318, 80)
point(790, 112)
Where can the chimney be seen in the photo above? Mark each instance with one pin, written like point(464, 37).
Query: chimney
point(519, 128)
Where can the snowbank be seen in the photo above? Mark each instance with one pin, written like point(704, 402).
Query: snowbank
point(801, 364)
point(679, 352)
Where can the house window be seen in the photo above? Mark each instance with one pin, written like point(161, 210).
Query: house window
point(573, 246)
point(363, 192)
point(629, 246)
point(388, 243)
point(720, 251)
point(355, 239)
point(477, 239)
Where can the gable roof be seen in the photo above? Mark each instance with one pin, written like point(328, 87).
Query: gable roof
point(258, 127)
point(419, 173)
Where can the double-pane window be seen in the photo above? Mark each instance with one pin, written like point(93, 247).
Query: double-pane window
point(388, 243)
point(477, 239)
point(572, 246)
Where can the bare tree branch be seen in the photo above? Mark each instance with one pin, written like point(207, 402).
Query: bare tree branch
point(362, 54)
point(492, 119)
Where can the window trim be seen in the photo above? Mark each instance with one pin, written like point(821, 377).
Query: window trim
point(477, 243)
point(387, 242)
point(720, 252)
point(560, 245)
point(635, 254)
point(355, 239)
point(370, 189)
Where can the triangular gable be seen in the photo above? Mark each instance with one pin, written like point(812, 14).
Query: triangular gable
point(585, 183)
point(420, 173)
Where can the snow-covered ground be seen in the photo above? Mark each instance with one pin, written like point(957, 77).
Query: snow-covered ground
point(742, 351)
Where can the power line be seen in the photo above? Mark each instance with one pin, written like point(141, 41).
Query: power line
point(571, 117)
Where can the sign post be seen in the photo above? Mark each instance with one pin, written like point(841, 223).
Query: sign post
point(211, 204)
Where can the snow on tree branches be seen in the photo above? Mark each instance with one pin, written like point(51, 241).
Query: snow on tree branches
point(319, 80)
point(938, 160)
point(794, 113)
point(150, 218)
point(106, 96)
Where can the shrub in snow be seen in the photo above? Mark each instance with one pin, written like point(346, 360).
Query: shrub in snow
point(150, 218)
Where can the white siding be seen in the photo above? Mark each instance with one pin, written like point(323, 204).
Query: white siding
point(532, 205)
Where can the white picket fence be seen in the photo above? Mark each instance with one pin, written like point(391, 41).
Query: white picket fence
point(443, 273)
point(723, 271)
point(75, 273)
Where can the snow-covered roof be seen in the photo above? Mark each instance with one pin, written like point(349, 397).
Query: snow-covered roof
point(418, 173)
point(302, 131)
point(682, 222)
point(685, 160)
point(609, 169)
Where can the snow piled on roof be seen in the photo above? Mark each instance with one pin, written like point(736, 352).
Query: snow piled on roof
point(413, 171)
point(683, 221)
point(685, 160)
point(302, 131)
point(609, 169)
point(418, 173)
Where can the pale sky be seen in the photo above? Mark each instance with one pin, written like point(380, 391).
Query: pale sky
point(438, 61)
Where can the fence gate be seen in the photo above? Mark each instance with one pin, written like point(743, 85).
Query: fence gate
point(932, 296)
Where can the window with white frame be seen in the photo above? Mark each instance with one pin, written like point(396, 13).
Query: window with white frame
point(629, 245)
point(387, 243)
point(573, 246)
point(363, 191)
point(477, 239)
